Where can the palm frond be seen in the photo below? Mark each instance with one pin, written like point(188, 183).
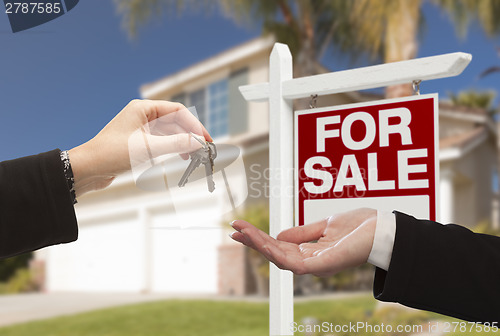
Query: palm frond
point(136, 13)
point(473, 99)
point(489, 71)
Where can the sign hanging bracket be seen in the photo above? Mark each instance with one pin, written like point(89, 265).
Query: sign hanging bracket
point(313, 101)
point(416, 87)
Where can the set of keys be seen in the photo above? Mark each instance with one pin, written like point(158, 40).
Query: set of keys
point(206, 156)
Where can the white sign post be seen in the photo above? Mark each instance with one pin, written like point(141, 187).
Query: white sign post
point(280, 92)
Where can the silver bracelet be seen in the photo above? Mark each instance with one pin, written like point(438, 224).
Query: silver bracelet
point(68, 173)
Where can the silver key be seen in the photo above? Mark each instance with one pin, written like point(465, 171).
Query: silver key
point(195, 162)
point(209, 166)
point(205, 156)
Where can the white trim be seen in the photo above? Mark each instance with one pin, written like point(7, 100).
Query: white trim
point(449, 154)
point(212, 64)
point(151, 206)
point(199, 84)
point(454, 114)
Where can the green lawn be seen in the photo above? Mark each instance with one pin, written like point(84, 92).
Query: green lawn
point(199, 318)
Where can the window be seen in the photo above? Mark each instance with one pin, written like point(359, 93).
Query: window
point(211, 104)
point(197, 99)
point(218, 118)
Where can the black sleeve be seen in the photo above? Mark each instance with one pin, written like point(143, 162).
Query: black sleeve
point(446, 269)
point(36, 208)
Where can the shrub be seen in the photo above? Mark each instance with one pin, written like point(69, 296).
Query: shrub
point(9, 266)
point(258, 215)
point(21, 282)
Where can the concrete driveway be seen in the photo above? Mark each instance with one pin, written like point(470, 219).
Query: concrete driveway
point(21, 308)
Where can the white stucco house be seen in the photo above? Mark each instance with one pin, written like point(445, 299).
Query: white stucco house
point(131, 240)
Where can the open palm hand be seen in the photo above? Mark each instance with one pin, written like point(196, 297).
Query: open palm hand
point(324, 248)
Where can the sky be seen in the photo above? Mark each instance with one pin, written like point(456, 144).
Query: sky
point(61, 82)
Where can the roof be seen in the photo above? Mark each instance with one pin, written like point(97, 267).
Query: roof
point(454, 147)
point(461, 139)
point(447, 105)
point(213, 63)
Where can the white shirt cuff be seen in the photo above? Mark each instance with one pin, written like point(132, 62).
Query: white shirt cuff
point(383, 241)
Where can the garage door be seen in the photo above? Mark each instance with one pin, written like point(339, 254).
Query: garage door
point(108, 256)
point(185, 260)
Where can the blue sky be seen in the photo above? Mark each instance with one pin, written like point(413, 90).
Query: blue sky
point(63, 81)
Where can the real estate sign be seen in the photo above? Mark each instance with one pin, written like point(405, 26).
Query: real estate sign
point(381, 154)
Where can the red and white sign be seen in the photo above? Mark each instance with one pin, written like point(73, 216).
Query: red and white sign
point(381, 154)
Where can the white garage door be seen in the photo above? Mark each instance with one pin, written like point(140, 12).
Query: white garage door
point(108, 256)
point(185, 260)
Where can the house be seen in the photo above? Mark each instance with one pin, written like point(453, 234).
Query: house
point(133, 240)
point(468, 162)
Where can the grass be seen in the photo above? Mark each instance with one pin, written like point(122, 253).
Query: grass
point(202, 317)
point(172, 317)
point(185, 318)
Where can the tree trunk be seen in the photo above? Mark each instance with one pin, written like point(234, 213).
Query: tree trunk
point(401, 42)
point(304, 65)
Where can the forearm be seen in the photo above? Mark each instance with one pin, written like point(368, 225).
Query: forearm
point(442, 268)
point(88, 171)
point(37, 207)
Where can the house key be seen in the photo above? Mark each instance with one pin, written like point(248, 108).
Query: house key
point(209, 166)
point(205, 156)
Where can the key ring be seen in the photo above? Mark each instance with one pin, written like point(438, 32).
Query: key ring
point(203, 143)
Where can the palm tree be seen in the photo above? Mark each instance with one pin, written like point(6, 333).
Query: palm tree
point(308, 27)
point(385, 30)
point(474, 99)
point(391, 27)
point(491, 69)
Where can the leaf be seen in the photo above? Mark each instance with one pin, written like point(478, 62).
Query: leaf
point(489, 71)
